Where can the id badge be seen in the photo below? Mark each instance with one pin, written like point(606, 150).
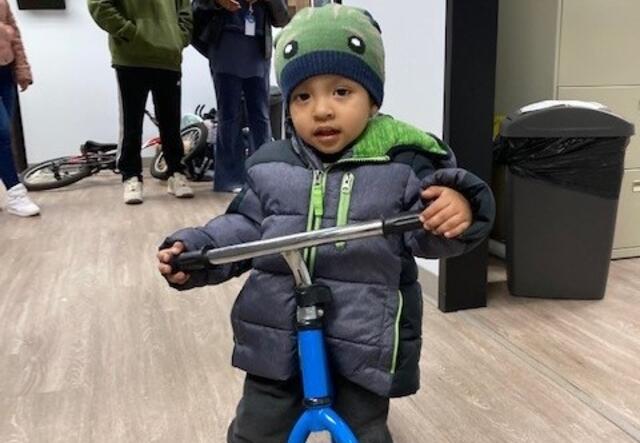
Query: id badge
point(250, 24)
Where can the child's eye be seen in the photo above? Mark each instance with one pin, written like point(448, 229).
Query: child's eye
point(302, 97)
point(342, 92)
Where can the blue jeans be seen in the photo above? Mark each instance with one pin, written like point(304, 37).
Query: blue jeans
point(7, 100)
point(230, 150)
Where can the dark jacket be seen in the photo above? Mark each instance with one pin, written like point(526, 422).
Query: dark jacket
point(209, 19)
point(150, 34)
point(373, 326)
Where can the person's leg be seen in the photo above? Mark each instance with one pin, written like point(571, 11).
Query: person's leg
point(229, 164)
point(134, 85)
point(256, 93)
point(365, 412)
point(166, 92)
point(8, 172)
point(18, 202)
point(267, 411)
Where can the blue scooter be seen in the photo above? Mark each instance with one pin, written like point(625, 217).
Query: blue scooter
point(311, 300)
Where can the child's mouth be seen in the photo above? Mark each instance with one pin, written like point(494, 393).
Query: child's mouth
point(326, 133)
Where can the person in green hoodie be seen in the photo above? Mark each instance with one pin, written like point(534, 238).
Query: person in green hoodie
point(146, 40)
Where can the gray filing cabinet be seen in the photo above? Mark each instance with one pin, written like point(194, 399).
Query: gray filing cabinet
point(577, 50)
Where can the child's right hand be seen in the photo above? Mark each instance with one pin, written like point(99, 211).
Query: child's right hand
point(164, 258)
point(449, 213)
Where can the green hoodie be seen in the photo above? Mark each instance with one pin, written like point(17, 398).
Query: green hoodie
point(145, 33)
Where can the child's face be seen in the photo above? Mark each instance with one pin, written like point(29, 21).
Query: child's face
point(330, 111)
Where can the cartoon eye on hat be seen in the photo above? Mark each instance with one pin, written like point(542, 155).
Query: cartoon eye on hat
point(357, 44)
point(290, 49)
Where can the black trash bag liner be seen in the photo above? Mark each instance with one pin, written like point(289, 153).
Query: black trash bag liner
point(590, 165)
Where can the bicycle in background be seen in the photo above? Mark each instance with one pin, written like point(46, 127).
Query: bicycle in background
point(197, 131)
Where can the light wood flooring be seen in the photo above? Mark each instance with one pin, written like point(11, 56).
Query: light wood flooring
point(94, 346)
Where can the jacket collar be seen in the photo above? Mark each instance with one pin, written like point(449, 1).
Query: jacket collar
point(382, 134)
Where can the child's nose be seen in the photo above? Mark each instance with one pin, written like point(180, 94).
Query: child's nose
point(323, 110)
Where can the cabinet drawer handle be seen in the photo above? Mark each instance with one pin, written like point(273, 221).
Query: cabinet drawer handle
point(635, 186)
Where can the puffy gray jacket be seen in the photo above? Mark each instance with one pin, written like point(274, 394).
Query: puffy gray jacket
point(373, 326)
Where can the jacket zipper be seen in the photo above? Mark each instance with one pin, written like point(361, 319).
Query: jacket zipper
point(310, 214)
point(316, 201)
point(317, 210)
point(396, 331)
point(314, 221)
point(342, 216)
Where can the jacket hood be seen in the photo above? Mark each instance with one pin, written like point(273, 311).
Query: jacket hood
point(384, 133)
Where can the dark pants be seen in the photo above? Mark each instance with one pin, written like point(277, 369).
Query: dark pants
point(269, 409)
point(7, 99)
point(165, 87)
point(230, 155)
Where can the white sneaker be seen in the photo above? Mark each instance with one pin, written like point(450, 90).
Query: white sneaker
point(19, 203)
point(178, 186)
point(133, 191)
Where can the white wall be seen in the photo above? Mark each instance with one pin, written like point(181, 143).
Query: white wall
point(414, 38)
point(74, 96)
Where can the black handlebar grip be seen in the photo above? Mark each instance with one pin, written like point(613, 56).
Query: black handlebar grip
point(408, 221)
point(190, 261)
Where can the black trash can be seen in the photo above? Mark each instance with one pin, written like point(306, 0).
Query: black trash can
point(564, 169)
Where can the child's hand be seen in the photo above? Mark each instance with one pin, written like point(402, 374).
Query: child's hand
point(164, 258)
point(449, 212)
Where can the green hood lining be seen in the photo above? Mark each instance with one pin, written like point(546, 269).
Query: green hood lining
point(384, 133)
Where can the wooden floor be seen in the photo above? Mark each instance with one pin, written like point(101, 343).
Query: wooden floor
point(94, 347)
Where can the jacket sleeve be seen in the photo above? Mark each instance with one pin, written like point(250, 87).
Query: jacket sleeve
point(424, 244)
point(109, 17)
point(185, 20)
point(21, 67)
point(240, 224)
point(279, 12)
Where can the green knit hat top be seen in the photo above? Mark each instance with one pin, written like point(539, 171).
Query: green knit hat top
point(332, 39)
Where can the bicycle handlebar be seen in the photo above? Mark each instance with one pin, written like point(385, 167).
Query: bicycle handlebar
point(202, 259)
point(407, 221)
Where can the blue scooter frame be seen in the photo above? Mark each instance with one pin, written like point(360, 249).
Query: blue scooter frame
point(311, 300)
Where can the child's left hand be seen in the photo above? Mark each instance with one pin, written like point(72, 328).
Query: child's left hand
point(449, 213)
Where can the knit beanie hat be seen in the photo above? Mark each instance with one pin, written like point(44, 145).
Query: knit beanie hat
point(332, 39)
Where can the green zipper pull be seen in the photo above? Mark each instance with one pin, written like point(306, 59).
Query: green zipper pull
point(342, 216)
point(317, 197)
point(347, 183)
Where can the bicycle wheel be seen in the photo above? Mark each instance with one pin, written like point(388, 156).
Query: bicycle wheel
point(194, 139)
point(158, 168)
point(55, 173)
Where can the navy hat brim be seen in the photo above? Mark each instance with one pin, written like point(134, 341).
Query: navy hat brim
point(331, 62)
